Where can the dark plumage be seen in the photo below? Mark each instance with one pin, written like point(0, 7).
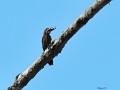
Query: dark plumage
point(46, 40)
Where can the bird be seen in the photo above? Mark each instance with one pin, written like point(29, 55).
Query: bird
point(46, 40)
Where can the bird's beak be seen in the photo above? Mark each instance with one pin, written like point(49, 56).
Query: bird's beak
point(52, 28)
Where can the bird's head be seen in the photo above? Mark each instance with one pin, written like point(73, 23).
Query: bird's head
point(48, 30)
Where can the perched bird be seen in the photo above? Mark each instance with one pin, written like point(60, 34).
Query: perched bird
point(46, 40)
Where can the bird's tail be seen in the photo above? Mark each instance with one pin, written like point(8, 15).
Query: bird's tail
point(51, 62)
